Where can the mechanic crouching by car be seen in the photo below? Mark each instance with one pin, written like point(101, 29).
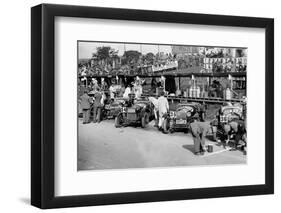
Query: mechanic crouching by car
point(199, 130)
point(236, 129)
point(163, 108)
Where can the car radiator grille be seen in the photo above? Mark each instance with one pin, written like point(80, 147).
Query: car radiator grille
point(131, 116)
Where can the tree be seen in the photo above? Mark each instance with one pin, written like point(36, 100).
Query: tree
point(106, 54)
point(131, 56)
point(103, 52)
point(149, 57)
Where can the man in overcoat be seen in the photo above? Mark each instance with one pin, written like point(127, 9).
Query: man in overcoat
point(86, 106)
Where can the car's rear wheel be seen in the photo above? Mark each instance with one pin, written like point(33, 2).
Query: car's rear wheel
point(144, 120)
point(119, 120)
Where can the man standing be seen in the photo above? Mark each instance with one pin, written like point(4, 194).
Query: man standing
point(127, 92)
point(97, 106)
point(112, 91)
point(199, 130)
point(94, 84)
point(103, 85)
point(163, 107)
point(86, 105)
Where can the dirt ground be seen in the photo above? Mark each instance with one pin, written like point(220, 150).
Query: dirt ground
point(102, 146)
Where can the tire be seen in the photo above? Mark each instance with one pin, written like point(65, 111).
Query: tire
point(144, 120)
point(166, 127)
point(118, 121)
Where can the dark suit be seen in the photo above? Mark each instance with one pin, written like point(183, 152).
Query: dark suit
point(199, 131)
point(97, 107)
point(86, 105)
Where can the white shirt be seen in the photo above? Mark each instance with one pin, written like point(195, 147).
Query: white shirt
point(127, 92)
point(138, 91)
point(163, 105)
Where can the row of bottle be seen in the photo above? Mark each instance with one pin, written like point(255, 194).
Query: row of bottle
point(196, 92)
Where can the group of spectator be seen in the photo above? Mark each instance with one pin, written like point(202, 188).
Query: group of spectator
point(220, 65)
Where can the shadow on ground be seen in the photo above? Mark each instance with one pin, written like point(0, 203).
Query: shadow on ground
point(189, 147)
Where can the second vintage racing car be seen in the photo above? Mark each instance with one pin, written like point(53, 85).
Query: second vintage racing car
point(181, 118)
point(225, 115)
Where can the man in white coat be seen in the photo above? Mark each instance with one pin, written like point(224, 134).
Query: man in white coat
point(163, 107)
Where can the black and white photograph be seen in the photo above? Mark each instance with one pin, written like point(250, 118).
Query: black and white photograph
point(136, 105)
point(155, 105)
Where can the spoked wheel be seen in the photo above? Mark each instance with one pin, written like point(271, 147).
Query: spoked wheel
point(144, 120)
point(119, 120)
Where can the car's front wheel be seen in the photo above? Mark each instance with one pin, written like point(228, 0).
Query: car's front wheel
point(166, 126)
point(119, 120)
point(144, 120)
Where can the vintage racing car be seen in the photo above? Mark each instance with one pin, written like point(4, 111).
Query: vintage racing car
point(139, 113)
point(181, 118)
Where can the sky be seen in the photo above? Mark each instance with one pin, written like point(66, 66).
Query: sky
point(85, 49)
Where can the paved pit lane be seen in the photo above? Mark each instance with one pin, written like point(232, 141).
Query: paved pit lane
point(102, 146)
